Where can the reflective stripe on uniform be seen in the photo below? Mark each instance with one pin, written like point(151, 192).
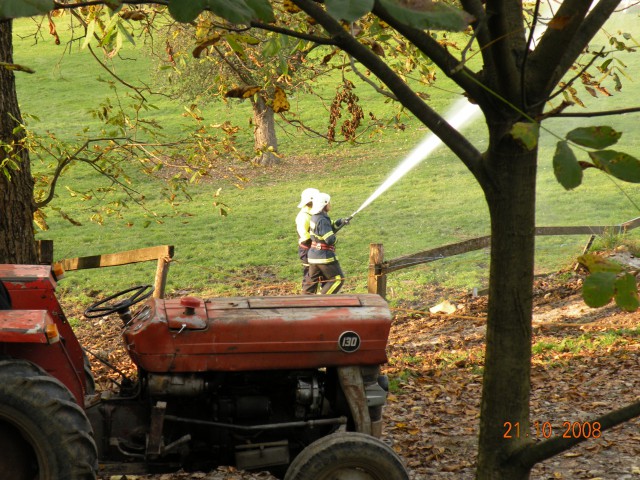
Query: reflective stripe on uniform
point(322, 261)
point(337, 282)
point(327, 235)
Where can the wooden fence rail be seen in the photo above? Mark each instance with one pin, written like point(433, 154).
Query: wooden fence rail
point(162, 254)
point(379, 268)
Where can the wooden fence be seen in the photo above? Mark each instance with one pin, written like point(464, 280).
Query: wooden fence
point(162, 254)
point(379, 268)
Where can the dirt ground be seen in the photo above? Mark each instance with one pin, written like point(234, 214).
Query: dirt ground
point(585, 364)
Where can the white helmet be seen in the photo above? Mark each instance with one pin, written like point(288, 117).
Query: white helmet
point(307, 196)
point(320, 201)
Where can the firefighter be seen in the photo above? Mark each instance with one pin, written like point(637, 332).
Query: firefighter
point(304, 240)
point(324, 269)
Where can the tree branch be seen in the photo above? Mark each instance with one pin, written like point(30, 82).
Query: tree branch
point(505, 46)
point(458, 143)
point(531, 454)
point(548, 62)
point(59, 169)
point(369, 81)
point(576, 76)
point(523, 68)
point(602, 113)
point(449, 64)
point(60, 4)
point(475, 8)
point(292, 33)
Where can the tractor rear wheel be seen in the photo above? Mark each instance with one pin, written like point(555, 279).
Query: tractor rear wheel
point(347, 456)
point(44, 434)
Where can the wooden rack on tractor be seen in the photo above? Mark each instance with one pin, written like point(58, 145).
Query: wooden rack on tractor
point(287, 384)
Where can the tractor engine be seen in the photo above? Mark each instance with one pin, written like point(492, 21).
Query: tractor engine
point(244, 381)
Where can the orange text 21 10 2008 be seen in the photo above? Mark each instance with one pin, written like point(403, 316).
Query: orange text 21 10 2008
point(546, 430)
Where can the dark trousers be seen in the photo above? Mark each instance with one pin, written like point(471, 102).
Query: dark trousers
point(327, 278)
point(303, 252)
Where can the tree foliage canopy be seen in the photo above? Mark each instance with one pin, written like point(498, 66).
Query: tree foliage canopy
point(531, 63)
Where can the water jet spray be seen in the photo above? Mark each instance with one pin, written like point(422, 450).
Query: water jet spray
point(460, 115)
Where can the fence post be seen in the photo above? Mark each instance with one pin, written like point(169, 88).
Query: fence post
point(45, 252)
point(377, 281)
point(162, 271)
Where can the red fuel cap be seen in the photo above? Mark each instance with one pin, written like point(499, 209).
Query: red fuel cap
point(190, 304)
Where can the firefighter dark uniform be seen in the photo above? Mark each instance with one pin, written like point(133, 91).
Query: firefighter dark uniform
point(324, 268)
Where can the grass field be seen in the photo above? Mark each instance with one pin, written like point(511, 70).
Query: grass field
point(436, 203)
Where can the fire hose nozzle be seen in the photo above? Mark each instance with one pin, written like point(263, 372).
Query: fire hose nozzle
point(344, 221)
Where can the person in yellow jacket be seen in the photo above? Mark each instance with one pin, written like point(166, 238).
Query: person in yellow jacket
point(304, 239)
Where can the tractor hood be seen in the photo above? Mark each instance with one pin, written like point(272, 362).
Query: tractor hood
point(259, 333)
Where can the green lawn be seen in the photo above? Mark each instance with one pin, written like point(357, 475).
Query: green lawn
point(436, 203)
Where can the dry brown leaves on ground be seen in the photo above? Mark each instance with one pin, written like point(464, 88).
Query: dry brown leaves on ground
point(585, 364)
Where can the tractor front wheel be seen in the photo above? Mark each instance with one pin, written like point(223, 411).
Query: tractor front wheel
point(44, 434)
point(347, 456)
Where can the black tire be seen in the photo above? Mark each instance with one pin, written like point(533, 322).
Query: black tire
point(341, 455)
point(44, 434)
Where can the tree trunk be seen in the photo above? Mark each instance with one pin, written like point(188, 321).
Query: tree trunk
point(506, 381)
point(264, 133)
point(17, 241)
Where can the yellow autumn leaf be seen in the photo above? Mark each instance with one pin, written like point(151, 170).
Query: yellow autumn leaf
point(137, 15)
point(290, 7)
point(242, 92)
point(280, 102)
point(15, 67)
point(250, 91)
point(40, 219)
point(207, 42)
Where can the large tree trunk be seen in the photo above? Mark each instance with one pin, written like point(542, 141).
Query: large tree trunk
point(506, 382)
point(264, 133)
point(17, 242)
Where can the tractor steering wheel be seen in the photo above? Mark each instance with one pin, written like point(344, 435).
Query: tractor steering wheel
point(104, 308)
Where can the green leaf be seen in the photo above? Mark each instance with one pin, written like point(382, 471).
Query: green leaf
point(348, 10)
point(235, 46)
point(527, 133)
point(598, 288)
point(619, 164)
point(432, 16)
point(566, 167)
point(235, 11)
point(271, 47)
point(605, 65)
point(118, 46)
point(24, 8)
point(185, 11)
point(126, 34)
point(627, 293)
point(91, 28)
point(596, 263)
point(594, 137)
point(262, 10)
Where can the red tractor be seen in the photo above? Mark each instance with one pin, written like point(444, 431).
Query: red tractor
point(287, 384)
